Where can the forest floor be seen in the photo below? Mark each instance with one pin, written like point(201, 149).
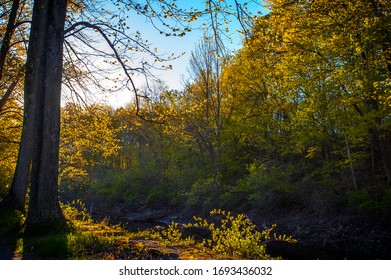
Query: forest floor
point(7, 252)
point(97, 239)
point(343, 235)
point(152, 250)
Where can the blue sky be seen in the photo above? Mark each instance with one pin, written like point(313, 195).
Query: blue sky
point(177, 45)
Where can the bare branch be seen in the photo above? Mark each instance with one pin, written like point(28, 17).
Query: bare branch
point(116, 54)
point(11, 88)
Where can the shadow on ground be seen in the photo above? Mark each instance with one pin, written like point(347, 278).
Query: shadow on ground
point(10, 227)
point(49, 247)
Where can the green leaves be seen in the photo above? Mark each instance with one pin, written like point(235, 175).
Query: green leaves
point(237, 237)
point(88, 141)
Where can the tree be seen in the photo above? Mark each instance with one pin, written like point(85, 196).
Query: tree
point(6, 40)
point(311, 88)
point(340, 69)
point(204, 95)
point(38, 152)
point(12, 50)
point(10, 129)
point(88, 145)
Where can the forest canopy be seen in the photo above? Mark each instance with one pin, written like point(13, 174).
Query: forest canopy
point(302, 111)
point(298, 118)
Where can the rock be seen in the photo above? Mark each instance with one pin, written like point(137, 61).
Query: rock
point(198, 233)
point(160, 255)
point(345, 236)
point(146, 216)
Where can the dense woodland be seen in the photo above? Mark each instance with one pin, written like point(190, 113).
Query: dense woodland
point(297, 120)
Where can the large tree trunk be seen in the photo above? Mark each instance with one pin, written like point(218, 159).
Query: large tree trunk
point(43, 93)
point(34, 74)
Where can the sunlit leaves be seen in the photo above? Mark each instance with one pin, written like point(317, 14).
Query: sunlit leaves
point(315, 72)
point(237, 237)
point(87, 139)
point(10, 131)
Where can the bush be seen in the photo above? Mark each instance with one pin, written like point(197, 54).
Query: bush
point(11, 222)
point(237, 237)
point(205, 193)
point(131, 185)
point(371, 199)
point(266, 185)
point(362, 200)
point(53, 246)
point(158, 196)
point(5, 184)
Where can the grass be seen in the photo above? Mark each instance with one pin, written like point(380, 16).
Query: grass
point(90, 240)
point(53, 246)
point(83, 239)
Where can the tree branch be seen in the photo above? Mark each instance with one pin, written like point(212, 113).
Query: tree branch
point(116, 54)
point(11, 88)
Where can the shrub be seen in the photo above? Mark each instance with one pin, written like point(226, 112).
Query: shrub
point(237, 237)
point(362, 200)
point(11, 222)
point(132, 185)
point(158, 196)
point(53, 246)
point(266, 185)
point(173, 235)
point(205, 193)
point(372, 198)
point(4, 186)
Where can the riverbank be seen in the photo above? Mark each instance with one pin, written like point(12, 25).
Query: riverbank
point(343, 235)
point(339, 236)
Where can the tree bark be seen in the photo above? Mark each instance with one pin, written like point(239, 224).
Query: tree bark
point(350, 162)
point(41, 128)
point(34, 74)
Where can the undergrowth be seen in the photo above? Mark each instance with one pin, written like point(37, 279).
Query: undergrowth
point(227, 236)
point(237, 237)
point(89, 239)
point(234, 237)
